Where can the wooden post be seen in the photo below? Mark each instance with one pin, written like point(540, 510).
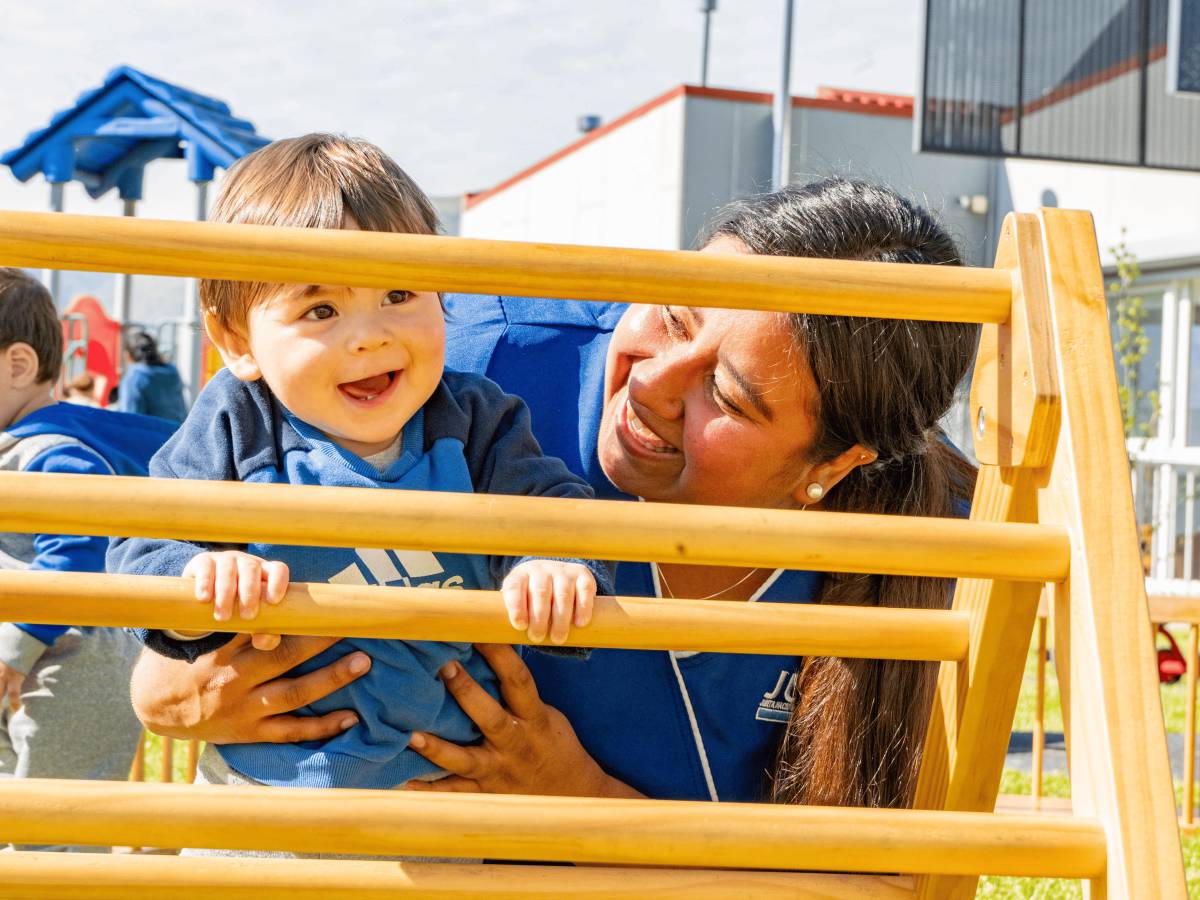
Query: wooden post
point(137, 772)
point(1039, 713)
point(1103, 649)
point(193, 752)
point(168, 760)
point(1014, 402)
point(1189, 729)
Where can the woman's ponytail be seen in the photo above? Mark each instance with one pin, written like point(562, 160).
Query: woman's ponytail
point(857, 726)
point(855, 735)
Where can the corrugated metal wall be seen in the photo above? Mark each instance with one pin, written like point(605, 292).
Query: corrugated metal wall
point(1090, 76)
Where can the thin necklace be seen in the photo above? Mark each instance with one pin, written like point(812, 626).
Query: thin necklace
point(662, 576)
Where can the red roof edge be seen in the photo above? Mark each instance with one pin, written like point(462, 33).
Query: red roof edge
point(839, 99)
point(596, 134)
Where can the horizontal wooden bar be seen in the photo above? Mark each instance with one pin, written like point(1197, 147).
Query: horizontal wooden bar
point(465, 265)
point(239, 513)
point(550, 829)
point(801, 629)
point(1170, 608)
point(86, 876)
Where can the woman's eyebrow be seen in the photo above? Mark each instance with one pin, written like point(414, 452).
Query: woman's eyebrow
point(748, 388)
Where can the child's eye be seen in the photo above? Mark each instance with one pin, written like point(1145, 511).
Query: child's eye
point(323, 311)
point(395, 298)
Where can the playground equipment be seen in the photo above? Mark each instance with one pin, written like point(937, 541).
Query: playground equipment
point(107, 139)
point(93, 344)
point(1052, 506)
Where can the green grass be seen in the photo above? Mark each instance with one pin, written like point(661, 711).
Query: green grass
point(1060, 786)
point(153, 759)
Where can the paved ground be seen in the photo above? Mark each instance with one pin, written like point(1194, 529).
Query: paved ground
point(1020, 753)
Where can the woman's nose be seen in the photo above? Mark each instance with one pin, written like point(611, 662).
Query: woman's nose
point(659, 383)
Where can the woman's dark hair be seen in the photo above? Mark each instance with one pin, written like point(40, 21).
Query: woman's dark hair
point(857, 726)
point(142, 348)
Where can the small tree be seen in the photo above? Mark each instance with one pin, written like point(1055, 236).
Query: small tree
point(1131, 343)
point(1130, 346)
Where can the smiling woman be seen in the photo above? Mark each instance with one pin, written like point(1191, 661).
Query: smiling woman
point(675, 404)
point(710, 406)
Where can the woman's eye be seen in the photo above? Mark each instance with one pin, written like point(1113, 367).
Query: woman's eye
point(722, 401)
point(317, 313)
point(395, 298)
point(673, 324)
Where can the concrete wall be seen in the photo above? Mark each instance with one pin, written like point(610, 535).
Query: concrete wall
point(449, 212)
point(621, 189)
point(726, 155)
point(879, 148)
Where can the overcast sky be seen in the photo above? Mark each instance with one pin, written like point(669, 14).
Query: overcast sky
point(463, 93)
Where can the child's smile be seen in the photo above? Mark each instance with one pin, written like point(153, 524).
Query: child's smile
point(371, 389)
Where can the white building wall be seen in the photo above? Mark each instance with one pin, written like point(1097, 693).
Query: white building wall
point(622, 189)
point(1159, 209)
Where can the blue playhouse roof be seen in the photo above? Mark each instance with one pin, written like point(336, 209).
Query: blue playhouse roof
point(106, 139)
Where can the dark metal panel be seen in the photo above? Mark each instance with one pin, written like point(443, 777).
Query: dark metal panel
point(1076, 80)
point(969, 87)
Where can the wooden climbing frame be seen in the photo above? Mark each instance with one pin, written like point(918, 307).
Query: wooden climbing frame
point(1052, 506)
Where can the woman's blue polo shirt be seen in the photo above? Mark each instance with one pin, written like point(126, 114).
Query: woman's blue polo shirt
point(702, 726)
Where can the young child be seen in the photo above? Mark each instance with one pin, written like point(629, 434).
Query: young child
point(345, 386)
point(66, 711)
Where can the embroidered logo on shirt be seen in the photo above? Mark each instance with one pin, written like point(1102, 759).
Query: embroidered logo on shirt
point(776, 704)
point(396, 568)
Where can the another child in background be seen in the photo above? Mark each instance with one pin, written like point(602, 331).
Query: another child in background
point(82, 390)
point(346, 387)
point(66, 712)
point(151, 385)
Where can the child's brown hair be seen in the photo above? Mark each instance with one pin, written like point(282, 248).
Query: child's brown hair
point(28, 316)
point(314, 181)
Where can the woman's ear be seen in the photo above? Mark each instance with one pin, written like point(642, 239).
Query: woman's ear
point(234, 348)
point(21, 360)
point(828, 474)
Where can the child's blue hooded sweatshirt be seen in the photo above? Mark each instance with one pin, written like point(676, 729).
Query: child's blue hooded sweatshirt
point(469, 437)
point(74, 440)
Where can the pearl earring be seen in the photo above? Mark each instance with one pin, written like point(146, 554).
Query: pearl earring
point(815, 491)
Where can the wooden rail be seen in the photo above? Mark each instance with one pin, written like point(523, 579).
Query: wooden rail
point(488, 523)
point(421, 263)
point(62, 876)
point(442, 615)
point(628, 832)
